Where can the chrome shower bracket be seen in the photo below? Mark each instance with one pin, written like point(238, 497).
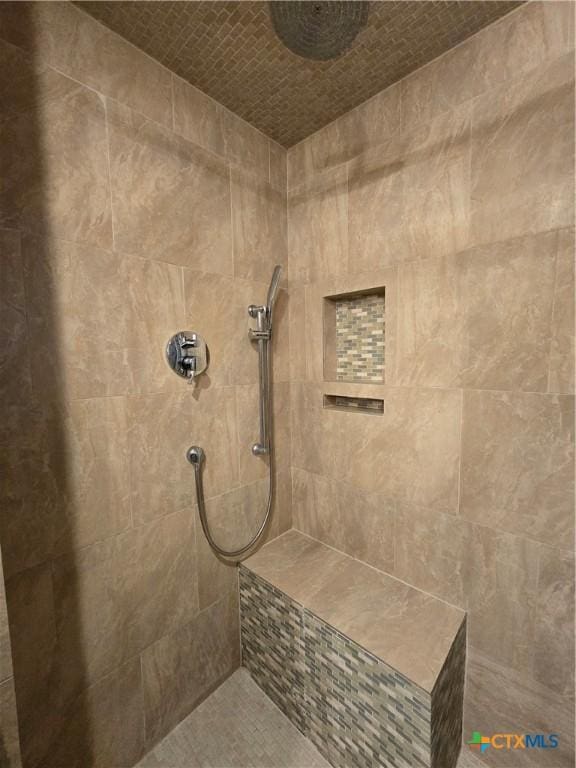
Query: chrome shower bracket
point(187, 354)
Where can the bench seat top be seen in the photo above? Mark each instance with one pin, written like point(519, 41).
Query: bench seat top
point(409, 630)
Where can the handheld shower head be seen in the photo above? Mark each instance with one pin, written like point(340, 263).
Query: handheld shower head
point(272, 291)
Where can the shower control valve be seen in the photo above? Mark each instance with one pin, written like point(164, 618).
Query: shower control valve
point(187, 354)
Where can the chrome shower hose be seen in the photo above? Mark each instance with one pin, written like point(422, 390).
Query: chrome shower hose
point(196, 457)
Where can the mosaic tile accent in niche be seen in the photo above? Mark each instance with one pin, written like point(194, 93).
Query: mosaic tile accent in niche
point(360, 338)
point(361, 404)
point(357, 710)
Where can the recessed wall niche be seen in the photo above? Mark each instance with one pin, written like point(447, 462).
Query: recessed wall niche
point(354, 337)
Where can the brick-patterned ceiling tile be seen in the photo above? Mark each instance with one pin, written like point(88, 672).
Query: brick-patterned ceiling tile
point(230, 51)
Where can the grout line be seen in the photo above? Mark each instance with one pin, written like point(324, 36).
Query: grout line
point(109, 162)
point(461, 431)
point(237, 587)
point(172, 104)
point(431, 511)
point(373, 567)
point(421, 388)
point(237, 435)
point(224, 159)
point(106, 96)
point(232, 233)
point(144, 724)
point(184, 298)
point(552, 318)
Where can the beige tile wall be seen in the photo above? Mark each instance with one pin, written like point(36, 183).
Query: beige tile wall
point(131, 207)
point(454, 189)
point(9, 740)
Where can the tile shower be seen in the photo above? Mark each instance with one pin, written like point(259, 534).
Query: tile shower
point(133, 205)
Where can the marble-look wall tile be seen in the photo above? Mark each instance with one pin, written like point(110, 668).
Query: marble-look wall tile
point(19, 79)
point(375, 201)
point(154, 299)
point(90, 466)
point(245, 146)
point(161, 428)
point(278, 167)
point(470, 197)
point(5, 651)
point(311, 441)
point(517, 464)
point(234, 518)
point(299, 330)
point(535, 35)
point(562, 349)
point(217, 308)
point(89, 732)
point(77, 302)
point(9, 739)
point(115, 598)
point(436, 186)
point(197, 117)
point(282, 508)
point(106, 319)
point(281, 350)
point(474, 319)
point(63, 36)
point(247, 405)
point(492, 575)
point(184, 667)
point(227, 519)
point(34, 655)
point(554, 631)
point(517, 44)
point(428, 550)
point(259, 227)
point(498, 700)
point(111, 201)
point(521, 181)
point(281, 425)
point(410, 453)
point(500, 602)
point(409, 198)
point(171, 199)
point(55, 164)
point(360, 524)
point(357, 131)
point(443, 85)
point(31, 486)
point(317, 228)
point(15, 378)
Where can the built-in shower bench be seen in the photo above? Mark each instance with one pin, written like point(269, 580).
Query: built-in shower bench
point(369, 668)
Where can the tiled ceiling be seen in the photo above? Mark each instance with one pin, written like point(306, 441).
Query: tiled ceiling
point(230, 51)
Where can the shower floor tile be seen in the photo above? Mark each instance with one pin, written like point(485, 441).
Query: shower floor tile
point(239, 727)
point(236, 727)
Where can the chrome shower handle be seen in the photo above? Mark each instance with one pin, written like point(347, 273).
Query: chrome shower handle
point(187, 354)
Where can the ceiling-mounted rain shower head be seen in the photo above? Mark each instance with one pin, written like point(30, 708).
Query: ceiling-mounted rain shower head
point(319, 30)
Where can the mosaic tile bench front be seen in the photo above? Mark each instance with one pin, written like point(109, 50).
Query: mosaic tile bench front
point(357, 710)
